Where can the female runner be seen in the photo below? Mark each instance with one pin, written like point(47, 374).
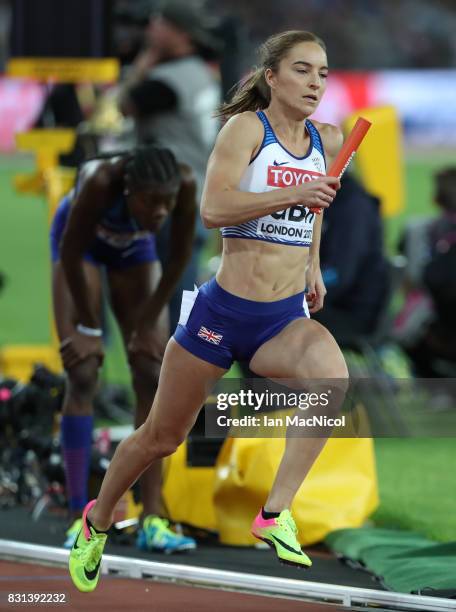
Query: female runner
point(265, 173)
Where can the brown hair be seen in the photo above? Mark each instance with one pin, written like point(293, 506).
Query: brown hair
point(254, 93)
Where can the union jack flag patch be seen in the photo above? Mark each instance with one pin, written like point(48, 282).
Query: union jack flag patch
point(209, 336)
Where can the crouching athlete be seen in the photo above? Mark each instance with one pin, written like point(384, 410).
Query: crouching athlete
point(107, 223)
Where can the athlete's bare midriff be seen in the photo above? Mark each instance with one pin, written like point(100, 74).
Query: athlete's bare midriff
point(262, 271)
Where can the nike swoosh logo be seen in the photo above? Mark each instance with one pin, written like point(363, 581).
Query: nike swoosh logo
point(285, 545)
point(75, 545)
point(280, 164)
point(93, 573)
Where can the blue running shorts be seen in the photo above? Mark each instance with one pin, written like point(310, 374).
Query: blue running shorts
point(101, 253)
point(220, 327)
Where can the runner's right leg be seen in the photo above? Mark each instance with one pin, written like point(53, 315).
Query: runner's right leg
point(185, 382)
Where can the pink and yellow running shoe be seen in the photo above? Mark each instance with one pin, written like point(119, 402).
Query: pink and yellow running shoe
point(85, 556)
point(280, 533)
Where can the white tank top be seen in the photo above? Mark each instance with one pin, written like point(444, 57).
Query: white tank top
point(274, 167)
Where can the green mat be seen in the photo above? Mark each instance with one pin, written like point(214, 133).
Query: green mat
point(402, 561)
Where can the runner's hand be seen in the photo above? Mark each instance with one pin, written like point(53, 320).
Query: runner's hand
point(318, 193)
point(316, 289)
point(78, 347)
point(148, 342)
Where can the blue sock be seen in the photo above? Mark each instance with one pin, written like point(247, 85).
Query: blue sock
point(76, 441)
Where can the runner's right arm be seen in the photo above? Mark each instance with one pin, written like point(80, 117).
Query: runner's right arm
point(224, 204)
point(79, 234)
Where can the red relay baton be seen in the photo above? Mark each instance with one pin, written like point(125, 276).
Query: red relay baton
point(348, 150)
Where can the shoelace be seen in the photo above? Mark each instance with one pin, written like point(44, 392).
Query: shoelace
point(92, 552)
point(288, 523)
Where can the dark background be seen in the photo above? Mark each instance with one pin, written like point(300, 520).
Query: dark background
point(61, 28)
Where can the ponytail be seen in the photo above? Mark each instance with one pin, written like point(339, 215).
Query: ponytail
point(251, 94)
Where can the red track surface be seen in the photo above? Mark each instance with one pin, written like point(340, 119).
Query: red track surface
point(120, 594)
